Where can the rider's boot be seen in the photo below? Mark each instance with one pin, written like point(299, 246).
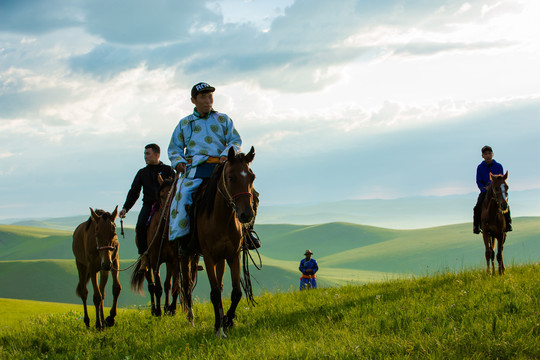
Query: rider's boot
point(253, 241)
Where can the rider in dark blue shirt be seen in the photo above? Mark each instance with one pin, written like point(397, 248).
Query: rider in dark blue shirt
point(483, 180)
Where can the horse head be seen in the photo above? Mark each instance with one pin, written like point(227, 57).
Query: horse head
point(238, 181)
point(164, 189)
point(105, 232)
point(499, 189)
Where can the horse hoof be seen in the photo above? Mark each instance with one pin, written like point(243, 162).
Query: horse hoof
point(109, 321)
point(228, 323)
point(220, 334)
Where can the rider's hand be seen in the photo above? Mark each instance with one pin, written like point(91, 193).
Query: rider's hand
point(181, 168)
point(123, 213)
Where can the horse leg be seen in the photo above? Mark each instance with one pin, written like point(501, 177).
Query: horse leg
point(236, 293)
point(167, 289)
point(186, 284)
point(175, 269)
point(116, 289)
point(500, 245)
point(103, 278)
point(82, 290)
point(158, 291)
point(172, 287)
point(98, 302)
point(489, 253)
point(151, 290)
point(216, 285)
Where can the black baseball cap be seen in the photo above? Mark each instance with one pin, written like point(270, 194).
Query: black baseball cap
point(201, 87)
point(486, 148)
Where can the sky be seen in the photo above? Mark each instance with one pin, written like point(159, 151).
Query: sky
point(349, 99)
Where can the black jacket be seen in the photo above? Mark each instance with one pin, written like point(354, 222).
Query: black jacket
point(146, 179)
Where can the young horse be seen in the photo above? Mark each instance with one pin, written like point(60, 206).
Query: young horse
point(493, 221)
point(160, 251)
point(95, 246)
point(225, 210)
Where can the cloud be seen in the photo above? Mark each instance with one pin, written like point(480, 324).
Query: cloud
point(36, 16)
point(300, 46)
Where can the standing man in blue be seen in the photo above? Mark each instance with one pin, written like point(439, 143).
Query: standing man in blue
point(199, 142)
point(147, 180)
point(308, 267)
point(489, 165)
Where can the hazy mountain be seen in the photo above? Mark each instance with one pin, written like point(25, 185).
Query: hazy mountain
point(402, 213)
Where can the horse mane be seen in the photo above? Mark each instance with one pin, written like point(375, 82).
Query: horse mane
point(166, 182)
point(99, 212)
point(206, 199)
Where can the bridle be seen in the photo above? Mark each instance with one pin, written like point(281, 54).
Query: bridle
point(496, 194)
point(110, 247)
point(100, 248)
point(231, 199)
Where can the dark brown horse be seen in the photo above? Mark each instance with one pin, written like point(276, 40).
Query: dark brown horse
point(493, 226)
point(225, 209)
point(95, 246)
point(160, 250)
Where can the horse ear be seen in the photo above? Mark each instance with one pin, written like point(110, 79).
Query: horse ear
point(115, 213)
point(160, 179)
point(505, 175)
point(490, 176)
point(232, 154)
point(250, 155)
point(94, 216)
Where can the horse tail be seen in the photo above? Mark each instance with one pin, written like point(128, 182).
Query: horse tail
point(188, 274)
point(137, 278)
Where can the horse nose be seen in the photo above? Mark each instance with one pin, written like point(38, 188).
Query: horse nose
point(245, 217)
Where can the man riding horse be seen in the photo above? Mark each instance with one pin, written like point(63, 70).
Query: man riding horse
point(486, 167)
point(199, 142)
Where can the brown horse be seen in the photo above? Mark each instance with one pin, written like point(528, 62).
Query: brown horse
point(225, 210)
point(160, 251)
point(493, 226)
point(95, 246)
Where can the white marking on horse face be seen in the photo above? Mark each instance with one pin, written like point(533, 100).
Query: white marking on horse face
point(243, 173)
point(503, 191)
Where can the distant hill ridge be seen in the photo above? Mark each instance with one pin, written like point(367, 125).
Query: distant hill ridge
point(402, 213)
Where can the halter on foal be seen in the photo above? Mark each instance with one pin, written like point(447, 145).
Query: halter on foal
point(95, 246)
point(494, 207)
point(160, 251)
point(225, 208)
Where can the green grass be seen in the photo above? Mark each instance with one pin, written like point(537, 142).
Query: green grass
point(465, 315)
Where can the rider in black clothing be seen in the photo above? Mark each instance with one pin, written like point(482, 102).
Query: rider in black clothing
point(146, 179)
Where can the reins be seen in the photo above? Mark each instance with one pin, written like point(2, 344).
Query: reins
point(155, 234)
point(494, 197)
point(245, 281)
point(228, 197)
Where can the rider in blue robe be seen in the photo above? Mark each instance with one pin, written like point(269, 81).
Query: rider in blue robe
point(308, 267)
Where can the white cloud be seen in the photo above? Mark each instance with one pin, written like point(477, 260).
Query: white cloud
point(364, 98)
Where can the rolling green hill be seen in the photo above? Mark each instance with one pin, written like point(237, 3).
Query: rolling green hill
point(37, 263)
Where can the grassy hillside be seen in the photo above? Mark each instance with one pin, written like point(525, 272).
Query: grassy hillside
point(468, 315)
point(34, 243)
point(346, 253)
